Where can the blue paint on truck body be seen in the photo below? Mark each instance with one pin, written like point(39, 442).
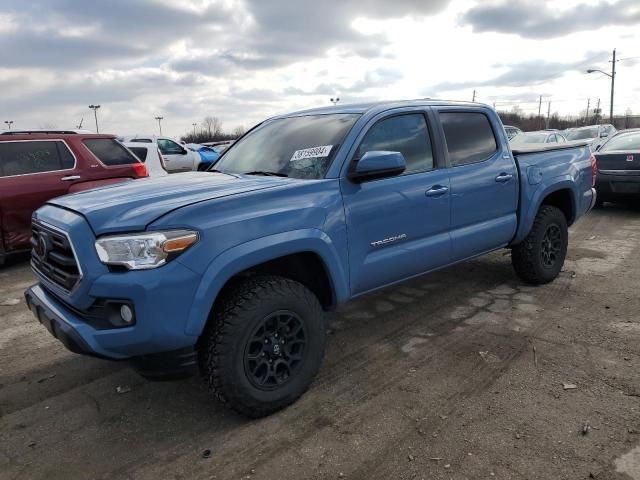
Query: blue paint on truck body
point(247, 220)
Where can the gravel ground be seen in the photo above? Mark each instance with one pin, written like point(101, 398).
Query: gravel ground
point(466, 373)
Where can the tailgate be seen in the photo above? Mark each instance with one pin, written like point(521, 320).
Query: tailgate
point(617, 163)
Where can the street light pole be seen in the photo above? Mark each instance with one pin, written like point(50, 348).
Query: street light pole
point(334, 100)
point(612, 76)
point(473, 99)
point(194, 129)
point(159, 123)
point(95, 114)
point(9, 123)
point(613, 81)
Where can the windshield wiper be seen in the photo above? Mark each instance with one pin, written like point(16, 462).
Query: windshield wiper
point(266, 174)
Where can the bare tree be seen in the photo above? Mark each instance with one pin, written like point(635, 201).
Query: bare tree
point(213, 126)
point(239, 131)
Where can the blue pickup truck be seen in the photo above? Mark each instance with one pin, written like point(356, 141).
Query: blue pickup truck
point(228, 271)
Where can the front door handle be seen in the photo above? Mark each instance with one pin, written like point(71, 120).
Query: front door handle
point(436, 191)
point(504, 177)
point(70, 178)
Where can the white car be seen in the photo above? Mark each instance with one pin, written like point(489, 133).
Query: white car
point(150, 155)
point(177, 158)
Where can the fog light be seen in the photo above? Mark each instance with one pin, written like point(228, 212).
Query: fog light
point(126, 313)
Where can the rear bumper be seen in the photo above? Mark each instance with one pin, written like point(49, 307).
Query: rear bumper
point(612, 186)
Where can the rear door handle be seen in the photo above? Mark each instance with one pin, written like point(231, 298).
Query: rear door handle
point(70, 178)
point(504, 177)
point(436, 191)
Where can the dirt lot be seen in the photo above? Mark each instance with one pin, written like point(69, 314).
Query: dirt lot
point(454, 375)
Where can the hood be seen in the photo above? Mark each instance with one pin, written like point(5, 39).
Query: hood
point(131, 206)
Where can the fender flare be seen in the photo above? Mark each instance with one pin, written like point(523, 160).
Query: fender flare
point(565, 182)
point(252, 253)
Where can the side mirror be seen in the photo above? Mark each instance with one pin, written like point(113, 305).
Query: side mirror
point(598, 147)
point(378, 164)
point(184, 151)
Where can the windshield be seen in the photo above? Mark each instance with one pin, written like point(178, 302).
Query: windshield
point(582, 133)
point(298, 147)
point(527, 138)
point(623, 142)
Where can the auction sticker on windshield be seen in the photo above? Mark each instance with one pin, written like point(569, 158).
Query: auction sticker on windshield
point(314, 152)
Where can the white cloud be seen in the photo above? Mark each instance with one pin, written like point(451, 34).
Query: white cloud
point(244, 60)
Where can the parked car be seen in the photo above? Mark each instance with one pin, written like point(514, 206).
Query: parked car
point(541, 137)
point(177, 158)
point(594, 134)
point(512, 131)
point(230, 271)
point(219, 146)
point(208, 155)
point(36, 167)
point(149, 154)
point(618, 162)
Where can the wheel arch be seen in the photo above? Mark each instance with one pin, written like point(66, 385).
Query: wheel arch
point(561, 194)
point(283, 254)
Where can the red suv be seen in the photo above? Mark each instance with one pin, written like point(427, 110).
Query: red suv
point(36, 166)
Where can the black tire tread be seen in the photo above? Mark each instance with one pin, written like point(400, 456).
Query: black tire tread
point(524, 256)
point(228, 317)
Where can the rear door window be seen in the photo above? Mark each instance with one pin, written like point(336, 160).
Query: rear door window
point(109, 151)
point(469, 137)
point(23, 158)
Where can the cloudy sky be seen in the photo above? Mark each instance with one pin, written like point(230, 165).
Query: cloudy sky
point(245, 60)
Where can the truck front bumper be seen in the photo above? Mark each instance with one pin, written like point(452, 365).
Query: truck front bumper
point(50, 315)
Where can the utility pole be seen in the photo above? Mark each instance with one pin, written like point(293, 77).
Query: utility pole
point(473, 99)
point(548, 113)
point(612, 76)
point(159, 123)
point(586, 115)
point(598, 112)
point(9, 123)
point(79, 126)
point(613, 81)
point(539, 110)
point(95, 114)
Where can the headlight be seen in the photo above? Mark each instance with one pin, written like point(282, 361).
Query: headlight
point(142, 251)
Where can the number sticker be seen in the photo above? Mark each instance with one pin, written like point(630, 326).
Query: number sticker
point(313, 152)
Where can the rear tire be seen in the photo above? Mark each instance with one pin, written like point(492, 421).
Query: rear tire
point(540, 256)
point(264, 345)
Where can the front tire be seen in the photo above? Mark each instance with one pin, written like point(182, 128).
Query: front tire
point(264, 345)
point(539, 258)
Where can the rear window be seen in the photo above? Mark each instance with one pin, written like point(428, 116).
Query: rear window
point(623, 142)
point(23, 158)
point(469, 137)
point(109, 151)
point(140, 152)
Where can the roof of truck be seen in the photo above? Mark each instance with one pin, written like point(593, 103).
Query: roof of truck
point(362, 108)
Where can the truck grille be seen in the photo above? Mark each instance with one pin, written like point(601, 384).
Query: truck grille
point(53, 257)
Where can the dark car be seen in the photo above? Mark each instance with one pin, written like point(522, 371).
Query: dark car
point(38, 166)
point(618, 162)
